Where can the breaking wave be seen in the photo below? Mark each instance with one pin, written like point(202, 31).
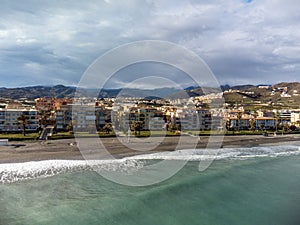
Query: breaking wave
point(223, 153)
point(15, 172)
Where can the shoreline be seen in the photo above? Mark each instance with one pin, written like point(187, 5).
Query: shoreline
point(67, 149)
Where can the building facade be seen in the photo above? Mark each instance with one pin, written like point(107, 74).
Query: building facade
point(9, 121)
point(81, 117)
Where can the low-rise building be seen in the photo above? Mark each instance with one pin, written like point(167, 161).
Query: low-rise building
point(241, 124)
point(265, 123)
point(244, 123)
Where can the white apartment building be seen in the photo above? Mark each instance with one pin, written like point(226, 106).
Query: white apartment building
point(9, 120)
point(63, 117)
point(81, 117)
point(151, 118)
point(157, 123)
point(285, 116)
point(188, 118)
point(193, 119)
point(295, 117)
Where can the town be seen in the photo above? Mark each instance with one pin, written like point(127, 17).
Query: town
point(197, 115)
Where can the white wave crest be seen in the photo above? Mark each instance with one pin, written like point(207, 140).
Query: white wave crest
point(224, 153)
point(13, 172)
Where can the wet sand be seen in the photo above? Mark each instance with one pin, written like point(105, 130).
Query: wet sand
point(122, 147)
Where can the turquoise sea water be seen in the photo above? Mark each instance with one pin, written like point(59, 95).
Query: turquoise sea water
point(264, 190)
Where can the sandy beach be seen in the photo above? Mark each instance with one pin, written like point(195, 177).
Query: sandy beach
point(68, 148)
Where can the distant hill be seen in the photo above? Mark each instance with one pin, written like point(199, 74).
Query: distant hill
point(281, 95)
point(241, 94)
point(237, 87)
point(58, 91)
point(186, 94)
point(193, 92)
point(242, 87)
point(134, 92)
point(290, 85)
point(61, 91)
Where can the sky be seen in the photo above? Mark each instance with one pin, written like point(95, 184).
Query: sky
point(50, 42)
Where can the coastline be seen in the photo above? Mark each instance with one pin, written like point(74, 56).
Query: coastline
point(66, 149)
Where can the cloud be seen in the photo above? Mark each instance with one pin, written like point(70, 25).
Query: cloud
point(51, 42)
point(136, 74)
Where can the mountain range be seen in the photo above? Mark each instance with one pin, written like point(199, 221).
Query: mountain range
point(61, 91)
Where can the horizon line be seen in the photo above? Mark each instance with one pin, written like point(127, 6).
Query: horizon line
point(115, 88)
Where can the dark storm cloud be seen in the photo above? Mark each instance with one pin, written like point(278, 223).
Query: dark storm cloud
point(51, 42)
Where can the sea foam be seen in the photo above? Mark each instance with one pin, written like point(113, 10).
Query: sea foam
point(14, 172)
point(223, 153)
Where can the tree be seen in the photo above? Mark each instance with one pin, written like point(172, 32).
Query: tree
point(137, 126)
point(23, 120)
point(172, 127)
point(70, 126)
point(228, 125)
point(253, 121)
point(293, 127)
point(178, 128)
point(262, 127)
point(44, 117)
point(285, 127)
point(276, 117)
point(108, 127)
point(239, 117)
point(225, 124)
point(255, 115)
point(253, 124)
point(298, 123)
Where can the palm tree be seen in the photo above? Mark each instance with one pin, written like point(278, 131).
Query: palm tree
point(23, 120)
point(70, 126)
point(253, 121)
point(137, 126)
point(108, 127)
point(239, 117)
point(276, 117)
point(225, 124)
point(253, 124)
point(255, 114)
point(44, 117)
